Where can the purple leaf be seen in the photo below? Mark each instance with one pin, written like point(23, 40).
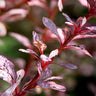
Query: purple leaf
point(67, 18)
point(43, 84)
point(55, 86)
point(22, 39)
point(67, 65)
point(53, 78)
point(29, 51)
point(80, 48)
point(83, 36)
point(50, 25)
point(46, 73)
point(7, 66)
point(38, 42)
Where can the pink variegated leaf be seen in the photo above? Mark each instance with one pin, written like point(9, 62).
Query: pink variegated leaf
point(67, 18)
point(53, 53)
point(38, 42)
point(3, 30)
point(92, 28)
point(43, 84)
point(84, 2)
point(80, 48)
point(53, 78)
point(67, 65)
point(39, 68)
point(50, 25)
point(45, 58)
point(83, 36)
point(22, 39)
point(20, 75)
point(55, 86)
point(10, 90)
point(46, 73)
point(61, 35)
point(60, 5)
point(5, 76)
point(29, 51)
point(13, 15)
point(8, 67)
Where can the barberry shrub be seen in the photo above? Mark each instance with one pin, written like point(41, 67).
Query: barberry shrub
point(21, 82)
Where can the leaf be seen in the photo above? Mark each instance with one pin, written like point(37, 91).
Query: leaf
point(10, 90)
point(61, 35)
point(50, 25)
point(83, 36)
point(81, 21)
point(46, 73)
point(45, 58)
point(60, 5)
point(29, 51)
point(53, 78)
point(84, 2)
point(7, 66)
point(22, 39)
point(39, 68)
point(80, 48)
point(38, 42)
point(5, 76)
point(92, 28)
point(43, 84)
point(53, 53)
point(3, 30)
point(67, 65)
point(67, 18)
point(20, 75)
point(13, 15)
point(55, 86)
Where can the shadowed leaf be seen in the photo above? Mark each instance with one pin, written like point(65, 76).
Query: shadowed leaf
point(46, 73)
point(43, 84)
